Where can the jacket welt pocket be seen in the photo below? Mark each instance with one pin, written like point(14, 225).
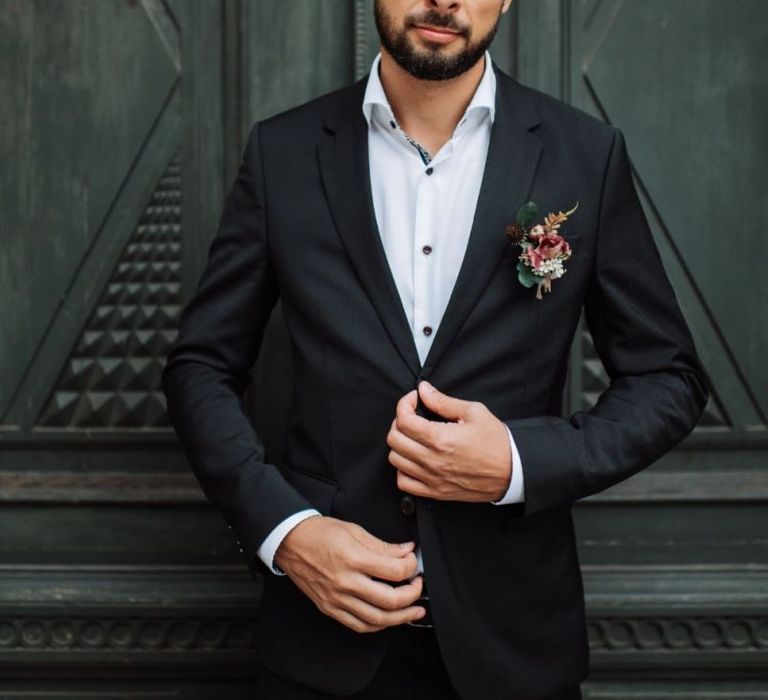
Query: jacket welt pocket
point(318, 490)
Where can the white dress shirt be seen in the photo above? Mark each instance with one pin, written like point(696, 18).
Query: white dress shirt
point(424, 206)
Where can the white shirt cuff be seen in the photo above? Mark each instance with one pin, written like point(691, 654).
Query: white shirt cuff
point(516, 491)
point(266, 552)
point(419, 561)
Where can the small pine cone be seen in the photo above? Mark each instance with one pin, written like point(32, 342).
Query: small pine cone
point(515, 233)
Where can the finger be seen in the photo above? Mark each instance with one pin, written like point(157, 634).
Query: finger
point(384, 595)
point(447, 406)
point(352, 621)
point(414, 426)
point(414, 440)
point(390, 549)
point(411, 468)
point(414, 486)
point(376, 617)
point(380, 558)
point(384, 567)
point(407, 402)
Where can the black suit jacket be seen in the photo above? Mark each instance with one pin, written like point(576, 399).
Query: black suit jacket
point(298, 224)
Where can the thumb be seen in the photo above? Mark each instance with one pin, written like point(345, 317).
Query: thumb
point(447, 406)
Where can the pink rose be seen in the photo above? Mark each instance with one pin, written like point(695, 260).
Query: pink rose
point(551, 246)
point(533, 258)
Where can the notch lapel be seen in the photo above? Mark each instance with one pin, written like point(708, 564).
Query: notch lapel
point(343, 160)
point(513, 154)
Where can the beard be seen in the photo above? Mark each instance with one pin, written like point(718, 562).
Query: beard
point(430, 63)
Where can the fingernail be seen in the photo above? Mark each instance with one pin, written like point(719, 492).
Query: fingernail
point(405, 545)
point(427, 386)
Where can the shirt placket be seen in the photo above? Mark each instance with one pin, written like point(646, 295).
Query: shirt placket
point(426, 252)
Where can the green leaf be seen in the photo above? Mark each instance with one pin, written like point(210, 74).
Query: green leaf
point(527, 214)
point(524, 274)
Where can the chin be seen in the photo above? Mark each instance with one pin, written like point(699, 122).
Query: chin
point(429, 48)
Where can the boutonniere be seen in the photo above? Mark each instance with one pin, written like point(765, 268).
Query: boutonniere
point(544, 249)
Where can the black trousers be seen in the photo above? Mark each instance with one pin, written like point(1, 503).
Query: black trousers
point(412, 669)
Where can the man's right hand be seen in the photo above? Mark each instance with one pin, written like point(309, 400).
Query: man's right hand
point(332, 562)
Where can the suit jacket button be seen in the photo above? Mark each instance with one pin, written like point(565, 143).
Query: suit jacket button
point(407, 505)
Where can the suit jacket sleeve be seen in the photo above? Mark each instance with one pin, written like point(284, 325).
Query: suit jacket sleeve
point(657, 390)
point(207, 368)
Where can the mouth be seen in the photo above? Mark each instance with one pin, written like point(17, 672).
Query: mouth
point(436, 34)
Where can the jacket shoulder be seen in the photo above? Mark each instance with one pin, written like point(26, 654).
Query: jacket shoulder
point(558, 108)
point(579, 138)
point(551, 114)
point(305, 121)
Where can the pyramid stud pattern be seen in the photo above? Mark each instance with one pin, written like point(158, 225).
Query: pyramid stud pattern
point(112, 378)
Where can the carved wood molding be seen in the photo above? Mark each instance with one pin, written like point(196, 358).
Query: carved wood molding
point(100, 487)
point(197, 617)
point(24, 486)
point(745, 636)
point(716, 486)
point(712, 646)
point(675, 633)
point(121, 634)
point(637, 689)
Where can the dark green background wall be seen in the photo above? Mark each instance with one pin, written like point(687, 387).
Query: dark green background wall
point(121, 128)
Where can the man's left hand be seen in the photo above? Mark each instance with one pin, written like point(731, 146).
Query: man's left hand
point(468, 459)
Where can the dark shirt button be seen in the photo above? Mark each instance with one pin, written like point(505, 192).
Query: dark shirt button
point(392, 124)
point(427, 330)
point(427, 249)
point(430, 171)
point(407, 505)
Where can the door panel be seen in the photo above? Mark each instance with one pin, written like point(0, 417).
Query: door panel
point(79, 141)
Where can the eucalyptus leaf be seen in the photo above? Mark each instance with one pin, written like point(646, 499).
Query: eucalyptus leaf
point(524, 274)
point(527, 214)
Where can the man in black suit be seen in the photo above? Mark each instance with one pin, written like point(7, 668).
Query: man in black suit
point(381, 215)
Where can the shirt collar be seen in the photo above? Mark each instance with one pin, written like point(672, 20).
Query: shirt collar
point(483, 99)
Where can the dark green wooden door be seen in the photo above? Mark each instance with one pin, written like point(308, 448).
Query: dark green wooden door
point(121, 127)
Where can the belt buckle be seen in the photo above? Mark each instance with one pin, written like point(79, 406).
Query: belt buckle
point(428, 616)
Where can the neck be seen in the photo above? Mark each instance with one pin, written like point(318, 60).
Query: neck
point(427, 106)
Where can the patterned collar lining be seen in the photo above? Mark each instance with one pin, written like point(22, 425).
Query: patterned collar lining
point(376, 106)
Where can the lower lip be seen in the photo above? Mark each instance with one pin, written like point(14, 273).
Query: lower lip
point(439, 37)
